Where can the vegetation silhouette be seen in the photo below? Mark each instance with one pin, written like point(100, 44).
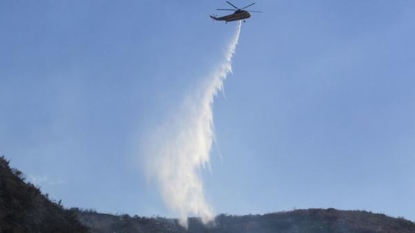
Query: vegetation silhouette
point(310, 220)
point(23, 208)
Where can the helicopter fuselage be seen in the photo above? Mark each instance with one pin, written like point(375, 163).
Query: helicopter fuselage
point(237, 15)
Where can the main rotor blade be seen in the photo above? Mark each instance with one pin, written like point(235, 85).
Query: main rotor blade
point(256, 11)
point(248, 6)
point(232, 5)
point(225, 9)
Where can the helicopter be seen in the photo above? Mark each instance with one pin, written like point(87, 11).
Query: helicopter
point(239, 14)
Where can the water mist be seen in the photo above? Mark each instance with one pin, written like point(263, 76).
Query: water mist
point(179, 148)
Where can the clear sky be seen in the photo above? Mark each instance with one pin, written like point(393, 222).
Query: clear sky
point(319, 111)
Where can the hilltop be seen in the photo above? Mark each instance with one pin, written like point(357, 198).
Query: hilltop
point(310, 221)
point(23, 208)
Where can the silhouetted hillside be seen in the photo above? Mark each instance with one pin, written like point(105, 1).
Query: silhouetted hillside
point(314, 220)
point(23, 208)
point(311, 220)
point(107, 223)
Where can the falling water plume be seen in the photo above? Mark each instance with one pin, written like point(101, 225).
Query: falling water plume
point(182, 146)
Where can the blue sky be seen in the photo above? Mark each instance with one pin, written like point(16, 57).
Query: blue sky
point(319, 111)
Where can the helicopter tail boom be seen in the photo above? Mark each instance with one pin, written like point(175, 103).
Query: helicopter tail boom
point(213, 17)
